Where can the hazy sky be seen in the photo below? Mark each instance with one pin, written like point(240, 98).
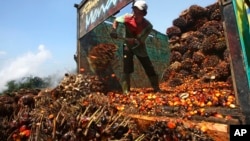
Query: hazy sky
point(38, 37)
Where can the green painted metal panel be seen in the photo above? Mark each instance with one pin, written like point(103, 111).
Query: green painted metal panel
point(242, 13)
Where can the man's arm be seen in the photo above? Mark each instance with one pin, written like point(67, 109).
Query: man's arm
point(118, 20)
point(113, 32)
point(115, 24)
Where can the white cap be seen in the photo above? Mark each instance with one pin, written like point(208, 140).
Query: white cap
point(141, 5)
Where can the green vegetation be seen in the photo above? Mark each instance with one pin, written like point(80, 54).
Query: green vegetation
point(31, 82)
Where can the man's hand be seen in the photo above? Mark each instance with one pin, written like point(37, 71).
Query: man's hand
point(113, 34)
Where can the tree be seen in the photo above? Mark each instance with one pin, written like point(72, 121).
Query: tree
point(31, 82)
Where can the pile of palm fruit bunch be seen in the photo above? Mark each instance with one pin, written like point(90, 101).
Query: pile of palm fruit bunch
point(198, 46)
point(78, 110)
point(74, 110)
point(21, 109)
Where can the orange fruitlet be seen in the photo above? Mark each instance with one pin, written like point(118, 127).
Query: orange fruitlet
point(171, 125)
point(22, 128)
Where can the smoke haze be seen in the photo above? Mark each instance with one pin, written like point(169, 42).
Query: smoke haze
point(25, 65)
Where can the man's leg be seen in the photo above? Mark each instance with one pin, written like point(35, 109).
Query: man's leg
point(149, 69)
point(125, 83)
point(154, 80)
point(128, 68)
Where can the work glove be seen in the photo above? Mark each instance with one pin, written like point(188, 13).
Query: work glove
point(113, 34)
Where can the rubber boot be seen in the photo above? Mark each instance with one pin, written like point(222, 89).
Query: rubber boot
point(125, 83)
point(155, 83)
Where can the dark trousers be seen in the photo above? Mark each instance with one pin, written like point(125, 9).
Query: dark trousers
point(128, 63)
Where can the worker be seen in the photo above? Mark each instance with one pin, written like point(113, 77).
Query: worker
point(137, 28)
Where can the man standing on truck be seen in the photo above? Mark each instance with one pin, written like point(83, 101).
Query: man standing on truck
point(137, 28)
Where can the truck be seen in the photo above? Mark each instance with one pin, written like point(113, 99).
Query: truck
point(203, 58)
point(94, 19)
